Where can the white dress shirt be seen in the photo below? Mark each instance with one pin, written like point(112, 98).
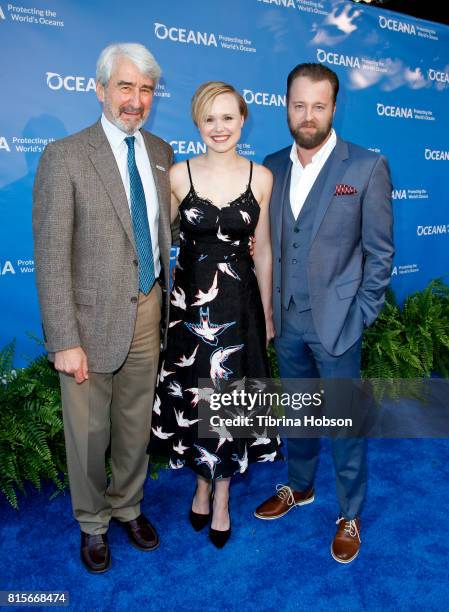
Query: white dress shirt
point(302, 179)
point(119, 147)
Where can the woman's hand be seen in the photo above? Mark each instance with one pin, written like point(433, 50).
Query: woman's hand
point(271, 332)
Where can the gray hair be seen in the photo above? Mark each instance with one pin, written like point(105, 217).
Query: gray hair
point(137, 53)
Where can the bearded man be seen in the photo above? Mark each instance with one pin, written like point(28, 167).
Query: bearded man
point(331, 231)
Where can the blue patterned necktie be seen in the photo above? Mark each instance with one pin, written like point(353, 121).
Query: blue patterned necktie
point(142, 235)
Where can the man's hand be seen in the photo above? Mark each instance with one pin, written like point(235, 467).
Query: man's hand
point(72, 361)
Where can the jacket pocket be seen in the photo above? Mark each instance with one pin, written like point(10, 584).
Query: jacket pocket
point(348, 289)
point(87, 297)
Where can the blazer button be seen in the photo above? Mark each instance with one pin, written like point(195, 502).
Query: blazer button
point(135, 262)
point(279, 260)
point(296, 230)
point(278, 289)
point(294, 261)
point(295, 245)
point(133, 300)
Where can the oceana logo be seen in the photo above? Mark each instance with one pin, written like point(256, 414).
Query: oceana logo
point(182, 35)
point(327, 57)
point(4, 146)
point(394, 111)
point(431, 230)
point(263, 98)
point(399, 194)
point(438, 75)
point(433, 155)
point(70, 83)
point(188, 147)
point(405, 269)
point(284, 3)
point(396, 26)
point(6, 267)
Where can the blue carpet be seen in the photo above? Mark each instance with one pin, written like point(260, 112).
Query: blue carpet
point(267, 565)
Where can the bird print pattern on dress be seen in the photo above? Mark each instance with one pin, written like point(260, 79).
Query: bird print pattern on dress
point(216, 333)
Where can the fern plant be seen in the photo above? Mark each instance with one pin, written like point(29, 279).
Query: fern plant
point(272, 359)
point(426, 315)
point(31, 429)
point(409, 344)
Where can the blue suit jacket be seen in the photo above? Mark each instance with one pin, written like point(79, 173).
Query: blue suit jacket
point(351, 247)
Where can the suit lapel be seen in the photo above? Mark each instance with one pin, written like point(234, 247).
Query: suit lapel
point(104, 162)
point(336, 169)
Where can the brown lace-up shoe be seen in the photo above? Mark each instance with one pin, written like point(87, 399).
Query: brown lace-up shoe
point(285, 499)
point(95, 552)
point(346, 544)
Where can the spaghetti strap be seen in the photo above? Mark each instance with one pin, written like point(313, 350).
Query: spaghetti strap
point(250, 172)
point(190, 175)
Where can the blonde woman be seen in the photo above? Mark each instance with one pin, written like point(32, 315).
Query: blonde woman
point(221, 316)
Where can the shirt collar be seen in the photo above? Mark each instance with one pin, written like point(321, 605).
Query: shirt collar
point(325, 150)
point(115, 135)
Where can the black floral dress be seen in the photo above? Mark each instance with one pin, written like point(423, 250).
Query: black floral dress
point(216, 332)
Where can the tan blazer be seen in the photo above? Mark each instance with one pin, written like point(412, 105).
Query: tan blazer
point(85, 256)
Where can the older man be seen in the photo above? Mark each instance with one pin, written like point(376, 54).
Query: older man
point(102, 239)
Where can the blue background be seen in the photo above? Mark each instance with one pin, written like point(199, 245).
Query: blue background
point(281, 33)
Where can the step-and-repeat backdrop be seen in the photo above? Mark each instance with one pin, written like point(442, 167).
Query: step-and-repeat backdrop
point(394, 73)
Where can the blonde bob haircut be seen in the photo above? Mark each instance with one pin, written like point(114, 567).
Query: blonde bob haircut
point(206, 94)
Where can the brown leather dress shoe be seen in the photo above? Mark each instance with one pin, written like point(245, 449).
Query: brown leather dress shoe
point(95, 552)
point(285, 499)
point(141, 533)
point(346, 544)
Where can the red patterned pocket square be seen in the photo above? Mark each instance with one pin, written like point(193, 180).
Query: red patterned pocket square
point(341, 189)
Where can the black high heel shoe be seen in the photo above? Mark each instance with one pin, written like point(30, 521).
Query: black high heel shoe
point(199, 521)
point(219, 538)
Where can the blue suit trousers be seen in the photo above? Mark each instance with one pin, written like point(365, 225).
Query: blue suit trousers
point(301, 355)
